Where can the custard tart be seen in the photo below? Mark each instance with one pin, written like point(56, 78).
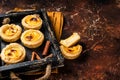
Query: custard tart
point(13, 53)
point(32, 38)
point(10, 32)
point(32, 22)
point(71, 52)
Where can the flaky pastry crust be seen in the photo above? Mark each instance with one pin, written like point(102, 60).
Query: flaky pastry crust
point(32, 38)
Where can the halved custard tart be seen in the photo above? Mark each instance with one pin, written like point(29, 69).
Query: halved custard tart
point(10, 32)
point(32, 38)
point(32, 22)
point(13, 53)
point(71, 52)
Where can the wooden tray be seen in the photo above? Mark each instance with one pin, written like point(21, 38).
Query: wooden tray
point(56, 60)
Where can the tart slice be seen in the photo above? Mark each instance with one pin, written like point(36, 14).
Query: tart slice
point(32, 22)
point(13, 53)
point(32, 38)
point(71, 40)
point(10, 32)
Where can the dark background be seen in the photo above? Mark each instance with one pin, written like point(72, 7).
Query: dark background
point(97, 22)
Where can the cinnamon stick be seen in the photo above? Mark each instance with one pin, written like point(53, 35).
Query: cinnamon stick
point(50, 55)
point(46, 48)
point(35, 55)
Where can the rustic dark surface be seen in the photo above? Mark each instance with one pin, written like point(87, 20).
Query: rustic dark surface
point(98, 23)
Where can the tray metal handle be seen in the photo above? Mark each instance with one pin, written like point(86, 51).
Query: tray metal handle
point(44, 77)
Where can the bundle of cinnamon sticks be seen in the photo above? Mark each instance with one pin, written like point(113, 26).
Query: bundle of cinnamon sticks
point(44, 53)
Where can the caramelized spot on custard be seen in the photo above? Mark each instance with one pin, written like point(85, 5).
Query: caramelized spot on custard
point(12, 50)
point(70, 50)
point(29, 38)
point(9, 54)
point(33, 19)
point(10, 31)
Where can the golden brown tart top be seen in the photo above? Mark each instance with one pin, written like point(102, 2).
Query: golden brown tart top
point(13, 53)
point(32, 22)
point(32, 38)
point(10, 32)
